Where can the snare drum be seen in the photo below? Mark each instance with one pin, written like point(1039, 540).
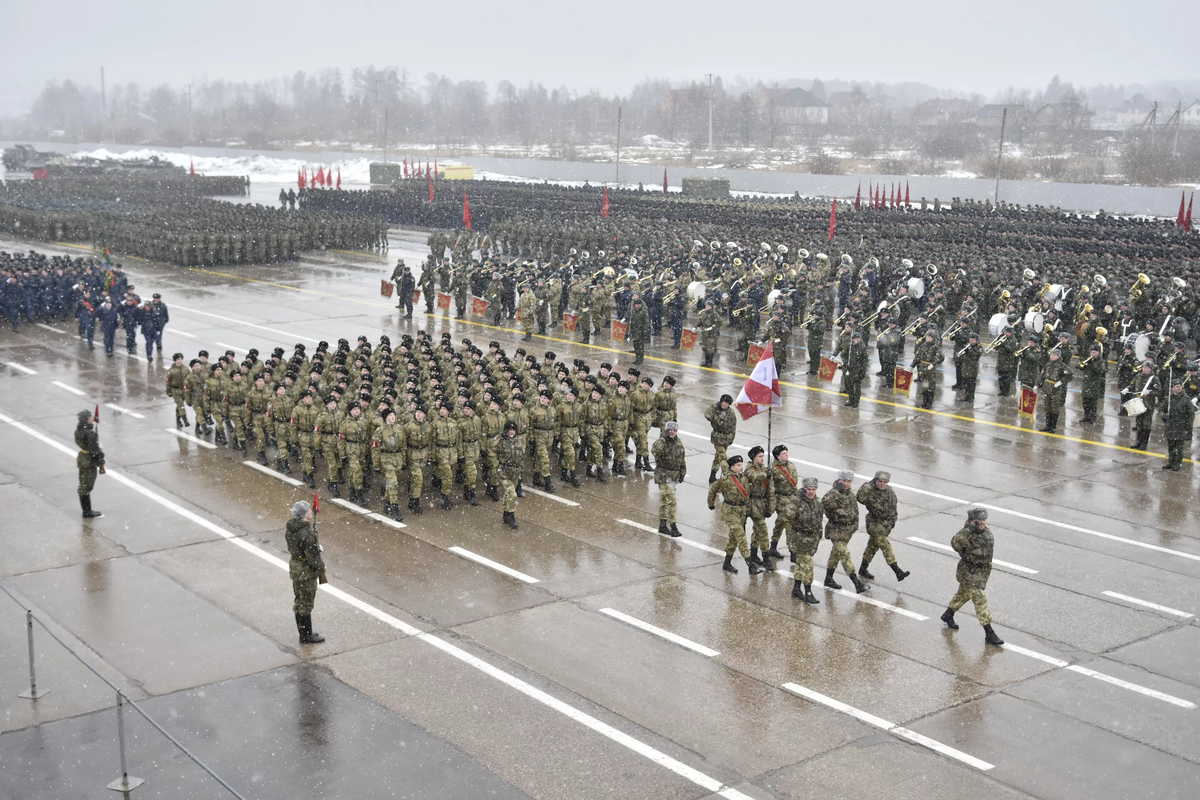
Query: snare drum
point(1135, 406)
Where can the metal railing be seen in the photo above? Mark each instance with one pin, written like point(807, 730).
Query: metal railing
point(126, 783)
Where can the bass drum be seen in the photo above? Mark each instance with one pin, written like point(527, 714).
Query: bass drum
point(916, 287)
point(996, 323)
point(1141, 346)
point(1035, 321)
point(771, 295)
point(696, 291)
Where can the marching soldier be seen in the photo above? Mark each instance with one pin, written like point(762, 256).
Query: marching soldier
point(785, 482)
point(841, 514)
point(804, 536)
point(595, 423)
point(670, 468)
point(880, 502)
point(974, 545)
point(664, 403)
point(352, 440)
point(304, 426)
point(1006, 359)
point(816, 335)
point(418, 435)
point(177, 389)
point(1094, 371)
point(968, 367)
point(710, 333)
point(306, 569)
point(762, 497)
point(855, 370)
point(735, 500)
point(641, 419)
point(470, 433)
point(543, 419)
point(724, 428)
point(527, 306)
point(619, 406)
point(89, 461)
point(510, 455)
point(328, 425)
point(638, 332)
point(444, 432)
point(889, 346)
point(1054, 389)
point(925, 360)
point(779, 334)
point(1179, 414)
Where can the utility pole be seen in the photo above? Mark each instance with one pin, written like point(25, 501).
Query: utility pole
point(103, 104)
point(618, 147)
point(190, 133)
point(1000, 154)
point(385, 134)
point(710, 98)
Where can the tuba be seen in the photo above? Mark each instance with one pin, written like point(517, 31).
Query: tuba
point(1135, 291)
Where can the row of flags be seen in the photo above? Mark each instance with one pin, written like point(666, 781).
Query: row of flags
point(321, 178)
point(1185, 220)
point(877, 199)
point(417, 171)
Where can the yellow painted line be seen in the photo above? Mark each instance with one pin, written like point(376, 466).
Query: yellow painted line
point(355, 253)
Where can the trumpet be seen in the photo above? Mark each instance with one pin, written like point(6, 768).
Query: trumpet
point(1088, 360)
point(1023, 349)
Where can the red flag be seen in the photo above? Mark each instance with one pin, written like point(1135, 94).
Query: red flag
point(832, 219)
point(321, 175)
point(316, 507)
point(406, 166)
point(339, 183)
point(879, 196)
point(466, 212)
point(604, 204)
point(870, 196)
point(97, 414)
point(858, 197)
point(761, 390)
point(431, 190)
point(906, 193)
point(191, 167)
point(1187, 223)
point(300, 178)
point(892, 196)
point(1179, 217)
point(664, 181)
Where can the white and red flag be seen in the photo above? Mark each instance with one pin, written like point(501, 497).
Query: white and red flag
point(761, 391)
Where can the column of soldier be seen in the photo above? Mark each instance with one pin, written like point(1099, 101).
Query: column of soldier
point(40, 288)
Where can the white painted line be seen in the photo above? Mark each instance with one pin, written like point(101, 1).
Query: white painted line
point(996, 563)
point(70, 389)
point(20, 367)
point(904, 612)
point(487, 562)
point(385, 520)
point(1133, 687)
point(550, 496)
point(247, 324)
point(264, 470)
point(231, 347)
point(50, 328)
point(625, 740)
point(883, 724)
point(1058, 662)
point(1148, 604)
point(190, 438)
point(671, 637)
point(347, 504)
point(694, 435)
point(116, 407)
point(680, 539)
point(184, 333)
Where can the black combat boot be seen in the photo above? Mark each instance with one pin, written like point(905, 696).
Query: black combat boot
point(437, 481)
point(712, 476)
point(574, 478)
point(590, 472)
point(728, 565)
point(948, 618)
point(767, 564)
point(675, 531)
point(563, 475)
point(537, 481)
point(510, 519)
point(664, 528)
point(198, 430)
point(829, 581)
point(753, 568)
point(859, 586)
point(809, 597)
point(333, 489)
point(241, 445)
point(990, 636)
point(864, 572)
point(88, 512)
point(774, 551)
point(900, 573)
point(417, 507)
point(798, 590)
point(646, 465)
point(753, 557)
point(471, 497)
point(311, 480)
point(219, 438)
point(520, 489)
point(180, 423)
point(281, 465)
point(446, 504)
point(396, 515)
point(309, 636)
point(600, 475)
point(547, 484)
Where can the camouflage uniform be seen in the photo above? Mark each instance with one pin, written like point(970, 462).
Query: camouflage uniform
point(670, 468)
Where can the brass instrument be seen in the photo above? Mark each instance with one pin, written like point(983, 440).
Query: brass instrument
point(992, 345)
point(1135, 291)
point(917, 321)
point(1023, 349)
point(958, 323)
point(965, 349)
point(1082, 313)
point(1088, 360)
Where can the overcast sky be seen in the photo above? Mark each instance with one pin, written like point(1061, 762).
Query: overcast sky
point(609, 46)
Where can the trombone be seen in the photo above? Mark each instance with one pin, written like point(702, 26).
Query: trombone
point(958, 323)
point(917, 321)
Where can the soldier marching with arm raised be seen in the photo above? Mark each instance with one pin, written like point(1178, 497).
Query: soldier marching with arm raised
point(736, 499)
point(974, 545)
point(841, 514)
point(804, 536)
point(670, 468)
point(723, 419)
point(880, 501)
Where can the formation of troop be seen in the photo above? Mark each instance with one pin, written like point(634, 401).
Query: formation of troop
point(171, 222)
point(459, 415)
point(98, 296)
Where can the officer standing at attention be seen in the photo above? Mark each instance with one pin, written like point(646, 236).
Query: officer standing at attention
point(841, 513)
point(974, 545)
point(724, 428)
point(804, 537)
point(736, 495)
point(880, 500)
point(306, 569)
point(90, 461)
point(670, 468)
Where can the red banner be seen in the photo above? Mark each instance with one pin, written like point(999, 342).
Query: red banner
point(386, 288)
point(902, 381)
point(754, 354)
point(570, 321)
point(827, 369)
point(443, 301)
point(688, 339)
point(479, 307)
point(416, 296)
point(1029, 400)
point(618, 330)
